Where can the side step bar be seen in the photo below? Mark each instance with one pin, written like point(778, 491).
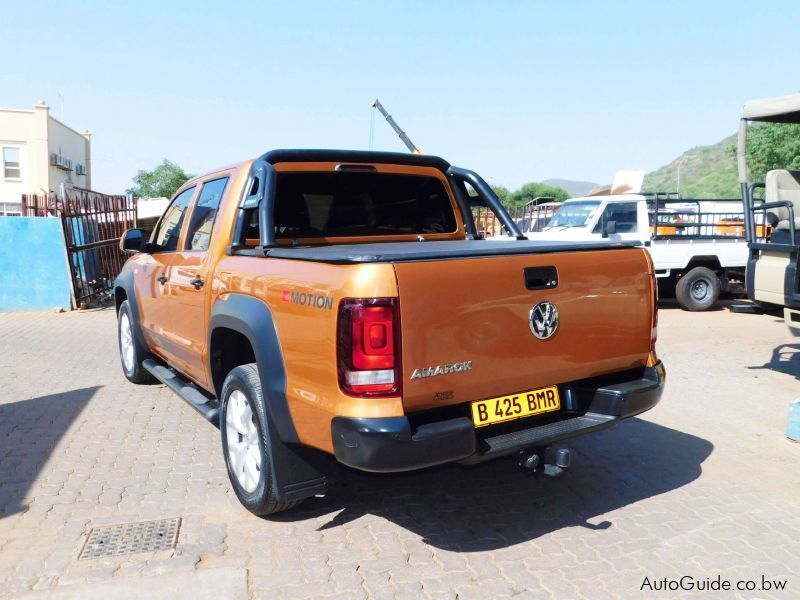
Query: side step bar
point(198, 399)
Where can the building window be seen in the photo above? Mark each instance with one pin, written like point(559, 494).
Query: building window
point(11, 168)
point(10, 209)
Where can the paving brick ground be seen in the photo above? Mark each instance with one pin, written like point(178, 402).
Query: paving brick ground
point(706, 484)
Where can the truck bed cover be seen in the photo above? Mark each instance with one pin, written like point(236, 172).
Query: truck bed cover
point(426, 251)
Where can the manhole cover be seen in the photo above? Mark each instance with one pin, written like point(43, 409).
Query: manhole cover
point(128, 538)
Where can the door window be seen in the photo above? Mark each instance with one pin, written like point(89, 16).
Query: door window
point(169, 228)
point(623, 213)
point(204, 213)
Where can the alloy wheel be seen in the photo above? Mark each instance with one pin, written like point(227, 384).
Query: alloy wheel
point(244, 453)
point(126, 342)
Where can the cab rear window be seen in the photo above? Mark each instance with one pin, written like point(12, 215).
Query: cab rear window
point(360, 204)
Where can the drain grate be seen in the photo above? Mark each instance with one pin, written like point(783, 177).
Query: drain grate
point(128, 538)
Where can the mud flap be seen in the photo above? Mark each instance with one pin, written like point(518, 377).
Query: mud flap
point(297, 470)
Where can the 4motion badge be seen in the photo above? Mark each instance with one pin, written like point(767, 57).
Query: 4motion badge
point(543, 320)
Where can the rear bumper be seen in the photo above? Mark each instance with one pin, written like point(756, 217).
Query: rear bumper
point(392, 444)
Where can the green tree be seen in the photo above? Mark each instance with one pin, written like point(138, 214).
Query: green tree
point(533, 190)
point(502, 192)
point(772, 146)
point(164, 180)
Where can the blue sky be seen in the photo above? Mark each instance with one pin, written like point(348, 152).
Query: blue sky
point(519, 91)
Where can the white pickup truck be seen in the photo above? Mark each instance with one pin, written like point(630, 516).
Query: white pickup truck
point(697, 246)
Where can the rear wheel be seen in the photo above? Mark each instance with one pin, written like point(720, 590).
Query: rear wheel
point(246, 442)
point(131, 349)
point(698, 289)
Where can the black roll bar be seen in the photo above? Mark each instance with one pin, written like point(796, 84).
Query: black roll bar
point(266, 207)
point(489, 198)
point(264, 175)
point(462, 198)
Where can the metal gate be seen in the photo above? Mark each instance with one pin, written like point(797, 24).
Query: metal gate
point(93, 224)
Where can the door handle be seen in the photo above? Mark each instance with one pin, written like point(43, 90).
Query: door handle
point(197, 283)
point(162, 280)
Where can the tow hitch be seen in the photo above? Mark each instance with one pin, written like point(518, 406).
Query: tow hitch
point(533, 462)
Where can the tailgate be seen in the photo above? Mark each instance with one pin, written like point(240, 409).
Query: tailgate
point(478, 311)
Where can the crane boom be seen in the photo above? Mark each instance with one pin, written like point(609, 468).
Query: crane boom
point(401, 134)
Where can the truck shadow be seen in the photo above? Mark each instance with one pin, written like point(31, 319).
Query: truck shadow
point(494, 505)
point(30, 430)
point(785, 359)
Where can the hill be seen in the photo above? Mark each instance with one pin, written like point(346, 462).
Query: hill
point(576, 189)
point(705, 172)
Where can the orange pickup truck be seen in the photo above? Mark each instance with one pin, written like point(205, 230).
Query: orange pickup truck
point(324, 302)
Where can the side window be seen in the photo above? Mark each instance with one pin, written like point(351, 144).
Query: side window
point(205, 210)
point(169, 228)
point(623, 213)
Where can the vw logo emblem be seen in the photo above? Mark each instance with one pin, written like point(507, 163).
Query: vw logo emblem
point(543, 320)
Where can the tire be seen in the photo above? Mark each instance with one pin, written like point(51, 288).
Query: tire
point(246, 442)
point(131, 350)
point(698, 289)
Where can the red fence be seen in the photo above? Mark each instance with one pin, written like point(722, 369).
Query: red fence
point(34, 205)
point(93, 224)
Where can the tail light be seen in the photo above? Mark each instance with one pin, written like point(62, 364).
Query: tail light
point(369, 347)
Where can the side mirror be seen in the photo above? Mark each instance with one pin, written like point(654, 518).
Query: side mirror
point(609, 228)
point(132, 241)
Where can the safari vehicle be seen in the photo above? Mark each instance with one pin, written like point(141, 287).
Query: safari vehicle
point(321, 303)
point(697, 246)
point(773, 225)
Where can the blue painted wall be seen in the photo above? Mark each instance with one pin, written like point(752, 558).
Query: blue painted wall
point(793, 431)
point(33, 264)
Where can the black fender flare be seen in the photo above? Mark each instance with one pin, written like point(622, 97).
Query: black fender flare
point(253, 319)
point(124, 281)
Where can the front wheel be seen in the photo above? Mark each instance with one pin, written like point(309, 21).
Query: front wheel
point(698, 289)
point(131, 349)
point(246, 442)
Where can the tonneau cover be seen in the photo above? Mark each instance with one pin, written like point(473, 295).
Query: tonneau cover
point(424, 251)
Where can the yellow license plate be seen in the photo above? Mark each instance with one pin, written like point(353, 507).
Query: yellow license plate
point(515, 406)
